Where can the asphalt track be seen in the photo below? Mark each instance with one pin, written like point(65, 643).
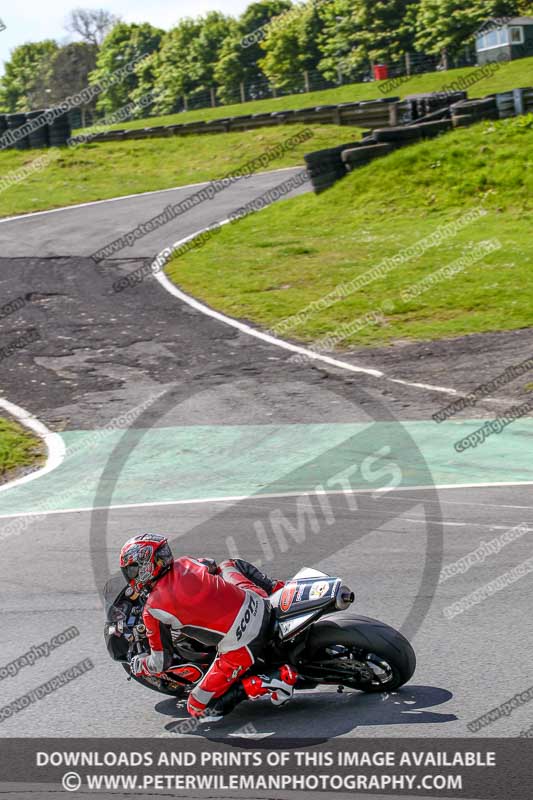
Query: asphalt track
point(210, 402)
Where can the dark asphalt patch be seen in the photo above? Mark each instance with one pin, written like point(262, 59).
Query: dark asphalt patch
point(101, 355)
point(461, 363)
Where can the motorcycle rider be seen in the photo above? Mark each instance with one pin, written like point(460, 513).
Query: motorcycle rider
point(224, 605)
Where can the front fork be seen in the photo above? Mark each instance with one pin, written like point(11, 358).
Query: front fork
point(136, 642)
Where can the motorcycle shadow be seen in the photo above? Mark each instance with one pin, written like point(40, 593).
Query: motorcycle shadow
point(316, 716)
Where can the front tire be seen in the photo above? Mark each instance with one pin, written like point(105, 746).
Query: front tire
point(156, 684)
point(359, 652)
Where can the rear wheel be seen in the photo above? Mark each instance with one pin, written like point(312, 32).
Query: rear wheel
point(358, 652)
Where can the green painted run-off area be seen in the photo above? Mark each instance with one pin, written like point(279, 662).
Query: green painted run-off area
point(195, 462)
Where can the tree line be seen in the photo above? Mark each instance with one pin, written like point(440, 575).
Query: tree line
point(272, 41)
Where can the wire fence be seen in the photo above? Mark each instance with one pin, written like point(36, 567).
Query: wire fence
point(260, 88)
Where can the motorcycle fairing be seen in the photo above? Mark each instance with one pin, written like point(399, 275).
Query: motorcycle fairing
point(188, 672)
point(302, 595)
point(294, 625)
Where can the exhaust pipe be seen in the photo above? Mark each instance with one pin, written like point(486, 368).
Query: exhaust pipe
point(344, 598)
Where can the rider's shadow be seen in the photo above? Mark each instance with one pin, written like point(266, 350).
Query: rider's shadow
point(316, 716)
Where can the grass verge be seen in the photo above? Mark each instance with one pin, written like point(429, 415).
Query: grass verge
point(98, 171)
point(271, 265)
point(19, 449)
point(510, 75)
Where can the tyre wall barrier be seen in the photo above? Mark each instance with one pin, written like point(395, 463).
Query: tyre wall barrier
point(527, 98)
point(422, 105)
point(357, 156)
point(40, 136)
point(382, 140)
point(485, 108)
point(53, 134)
point(59, 131)
point(15, 121)
point(326, 166)
point(371, 114)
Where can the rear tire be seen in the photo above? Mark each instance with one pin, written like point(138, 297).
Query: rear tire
point(361, 637)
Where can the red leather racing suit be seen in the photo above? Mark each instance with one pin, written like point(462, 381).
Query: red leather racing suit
point(227, 609)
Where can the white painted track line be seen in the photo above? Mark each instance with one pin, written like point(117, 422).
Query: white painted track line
point(54, 443)
point(128, 197)
point(167, 284)
point(273, 496)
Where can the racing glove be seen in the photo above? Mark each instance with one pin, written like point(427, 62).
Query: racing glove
point(280, 685)
point(139, 666)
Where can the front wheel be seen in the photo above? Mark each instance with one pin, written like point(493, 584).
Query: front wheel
point(163, 685)
point(358, 652)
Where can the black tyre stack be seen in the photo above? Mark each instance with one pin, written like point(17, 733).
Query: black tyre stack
point(354, 157)
point(399, 135)
point(326, 167)
point(59, 131)
point(505, 104)
point(15, 121)
point(471, 111)
point(38, 137)
point(3, 129)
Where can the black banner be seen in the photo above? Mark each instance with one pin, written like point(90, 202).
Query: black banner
point(473, 769)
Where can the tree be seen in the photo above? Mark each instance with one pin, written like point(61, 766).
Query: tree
point(291, 44)
point(186, 61)
point(68, 75)
point(386, 31)
point(122, 45)
point(337, 40)
point(28, 67)
point(146, 76)
point(173, 66)
point(240, 53)
point(92, 24)
point(358, 32)
point(206, 49)
point(447, 25)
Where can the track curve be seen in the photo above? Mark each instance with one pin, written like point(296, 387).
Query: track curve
point(242, 415)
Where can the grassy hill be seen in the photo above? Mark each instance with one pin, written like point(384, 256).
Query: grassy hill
point(271, 265)
point(98, 171)
point(110, 169)
point(510, 75)
point(18, 449)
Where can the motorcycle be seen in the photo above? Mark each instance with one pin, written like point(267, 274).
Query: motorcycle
point(310, 628)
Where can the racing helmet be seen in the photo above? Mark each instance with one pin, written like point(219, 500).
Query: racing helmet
point(144, 558)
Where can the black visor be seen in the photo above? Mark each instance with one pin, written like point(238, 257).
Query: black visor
point(131, 571)
point(164, 552)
